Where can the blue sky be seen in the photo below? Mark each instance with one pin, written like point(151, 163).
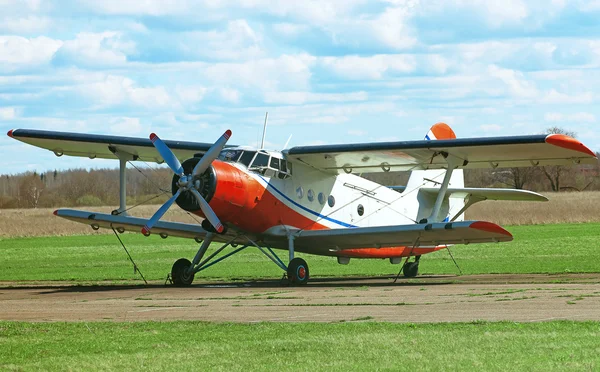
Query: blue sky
point(328, 71)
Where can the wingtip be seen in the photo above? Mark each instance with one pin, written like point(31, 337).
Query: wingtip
point(490, 227)
point(10, 133)
point(570, 143)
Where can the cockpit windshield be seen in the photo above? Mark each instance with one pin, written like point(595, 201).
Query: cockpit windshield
point(230, 155)
point(258, 161)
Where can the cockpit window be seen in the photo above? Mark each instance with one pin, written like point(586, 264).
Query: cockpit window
point(230, 155)
point(274, 163)
point(262, 160)
point(247, 157)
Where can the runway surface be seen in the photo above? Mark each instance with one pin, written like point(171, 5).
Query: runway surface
point(526, 298)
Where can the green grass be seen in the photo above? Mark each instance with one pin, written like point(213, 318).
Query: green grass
point(360, 345)
point(536, 249)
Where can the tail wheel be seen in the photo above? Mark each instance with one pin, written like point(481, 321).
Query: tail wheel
point(297, 271)
point(180, 273)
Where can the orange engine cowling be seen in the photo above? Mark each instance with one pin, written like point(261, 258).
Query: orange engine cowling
point(223, 186)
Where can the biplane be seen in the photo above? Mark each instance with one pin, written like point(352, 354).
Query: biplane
point(312, 199)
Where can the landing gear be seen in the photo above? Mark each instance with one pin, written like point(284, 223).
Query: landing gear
point(411, 269)
point(297, 272)
point(182, 273)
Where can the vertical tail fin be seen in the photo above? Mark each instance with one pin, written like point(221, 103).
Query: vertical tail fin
point(434, 177)
point(440, 131)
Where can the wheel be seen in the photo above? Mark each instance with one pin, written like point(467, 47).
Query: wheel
point(411, 269)
point(298, 271)
point(179, 273)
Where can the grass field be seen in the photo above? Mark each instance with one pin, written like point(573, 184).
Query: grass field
point(360, 345)
point(536, 249)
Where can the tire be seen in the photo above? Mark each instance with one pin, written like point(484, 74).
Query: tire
point(411, 269)
point(179, 273)
point(297, 272)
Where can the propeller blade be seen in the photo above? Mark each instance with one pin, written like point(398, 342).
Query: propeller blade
point(211, 154)
point(159, 213)
point(208, 212)
point(167, 154)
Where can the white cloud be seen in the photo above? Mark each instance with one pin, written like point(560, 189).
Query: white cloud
point(290, 29)
point(515, 81)
point(229, 95)
point(25, 25)
point(391, 28)
point(190, 94)
point(237, 41)
point(267, 74)
point(491, 127)
point(355, 132)
point(8, 113)
point(555, 97)
point(578, 117)
point(17, 52)
point(373, 67)
point(96, 49)
point(118, 90)
point(296, 98)
point(126, 126)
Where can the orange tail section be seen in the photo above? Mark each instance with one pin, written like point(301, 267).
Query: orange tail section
point(440, 131)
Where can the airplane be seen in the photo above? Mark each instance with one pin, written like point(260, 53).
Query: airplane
point(312, 199)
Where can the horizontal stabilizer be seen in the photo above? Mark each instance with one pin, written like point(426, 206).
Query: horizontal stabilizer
point(490, 194)
point(432, 234)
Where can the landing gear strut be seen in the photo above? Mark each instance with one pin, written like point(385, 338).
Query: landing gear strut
point(411, 269)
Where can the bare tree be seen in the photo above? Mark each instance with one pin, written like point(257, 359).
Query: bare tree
point(555, 172)
point(30, 190)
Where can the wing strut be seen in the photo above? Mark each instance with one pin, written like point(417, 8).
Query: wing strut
point(123, 159)
point(453, 163)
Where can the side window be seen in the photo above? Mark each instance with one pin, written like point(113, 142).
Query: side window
point(274, 163)
point(310, 195)
point(360, 210)
point(331, 201)
point(321, 198)
point(299, 192)
point(247, 157)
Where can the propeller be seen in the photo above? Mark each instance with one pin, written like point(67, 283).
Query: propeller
point(186, 182)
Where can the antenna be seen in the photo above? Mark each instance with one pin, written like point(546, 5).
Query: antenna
point(262, 143)
point(287, 142)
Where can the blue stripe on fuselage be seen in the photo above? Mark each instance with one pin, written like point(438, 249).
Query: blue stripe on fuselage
point(304, 208)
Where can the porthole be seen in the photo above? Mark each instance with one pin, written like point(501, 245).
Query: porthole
point(321, 198)
point(360, 209)
point(331, 201)
point(299, 192)
point(310, 195)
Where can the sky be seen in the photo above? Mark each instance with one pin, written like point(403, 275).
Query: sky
point(327, 71)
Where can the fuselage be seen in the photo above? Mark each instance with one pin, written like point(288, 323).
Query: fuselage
point(261, 193)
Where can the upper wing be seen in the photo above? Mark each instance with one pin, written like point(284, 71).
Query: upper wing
point(103, 146)
point(432, 234)
point(135, 224)
point(492, 152)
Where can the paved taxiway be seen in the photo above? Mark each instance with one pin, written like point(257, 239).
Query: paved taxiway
point(526, 298)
